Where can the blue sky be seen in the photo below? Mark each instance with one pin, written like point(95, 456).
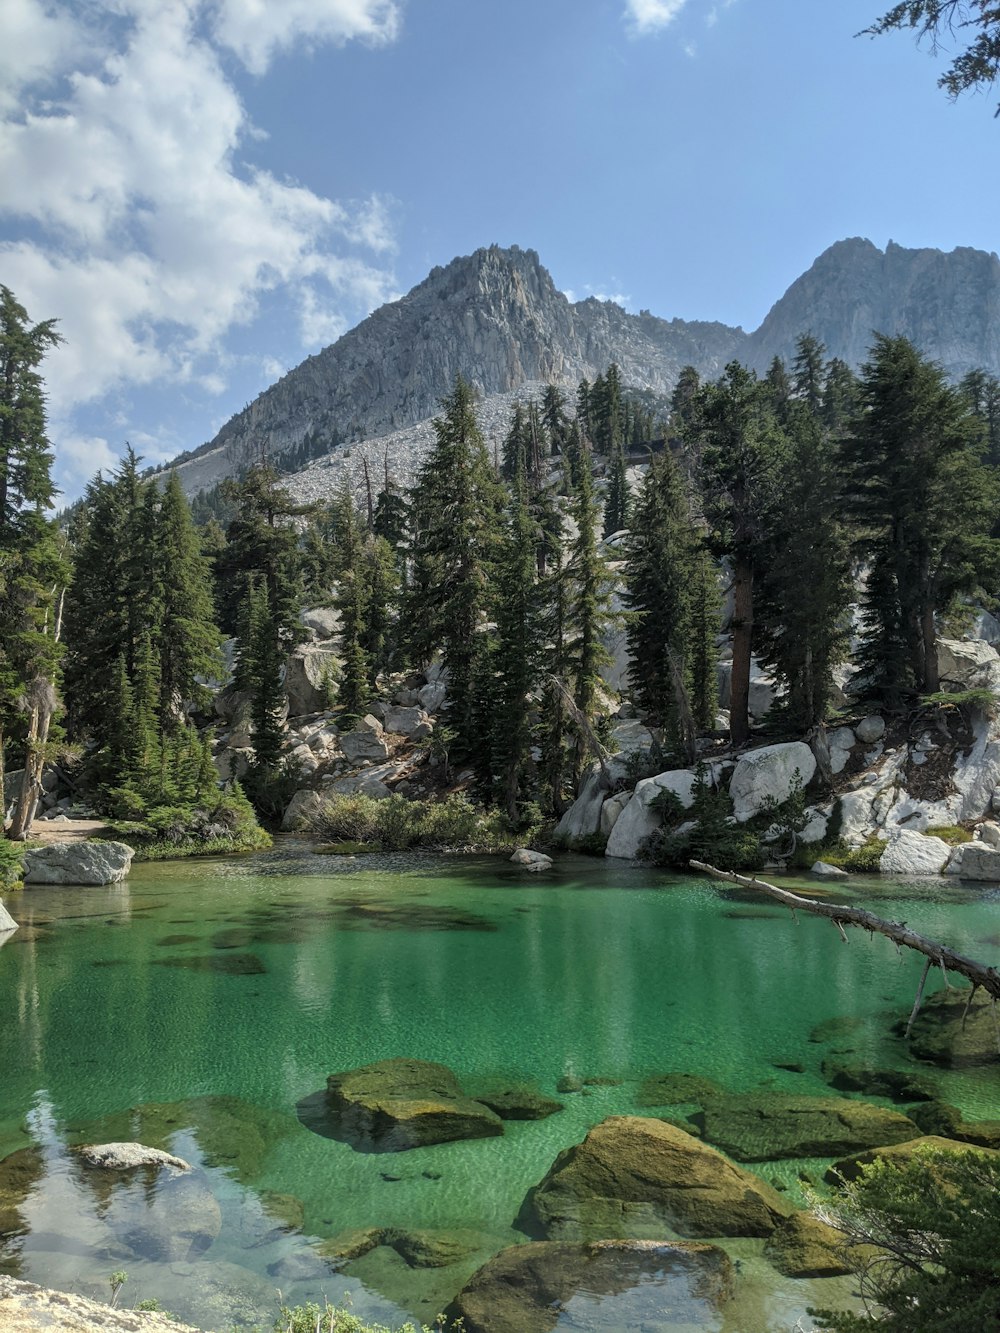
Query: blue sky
point(205, 191)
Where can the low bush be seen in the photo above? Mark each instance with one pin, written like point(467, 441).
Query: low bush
point(168, 831)
point(863, 860)
point(312, 1318)
point(11, 864)
point(953, 834)
point(396, 824)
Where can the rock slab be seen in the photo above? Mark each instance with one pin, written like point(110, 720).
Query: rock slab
point(635, 1177)
point(767, 1127)
point(393, 1105)
point(78, 863)
point(532, 1288)
point(767, 774)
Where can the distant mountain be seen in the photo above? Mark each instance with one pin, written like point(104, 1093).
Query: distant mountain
point(947, 304)
point(497, 318)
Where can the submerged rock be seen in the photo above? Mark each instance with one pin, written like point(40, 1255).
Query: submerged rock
point(515, 1101)
point(180, 1221)
point(849, 1168)
point(127, 1157)
point(20, 1172)
point(946, 1035)
point(763, 1127)
point(677, 1089)
point(529, 1288)
point(420, 1249)
point(633, 1176)
point(896, 1084)
point(78, 863)
point(393, 1105)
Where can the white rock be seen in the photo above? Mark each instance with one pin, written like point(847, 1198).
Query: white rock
point(974, 860)
point(841, 742)
point(638, 820)
point(78, 863)
point(611, 810)
point(769, 773)
point(324, 621)
point(909, 853)
point(358, 784)
point(310, 679)
point(232, 764)
point(762, 696)
point(432, 695)
point(128, 1156)
point(583, 818)
point(629, 736)
point(989, 833)
point(304, 759)
point(530, 860)
point(823, 870)
point(969, 663)
point(870, 729)
point(815, 830)
point(403, 721)
point(987, 627)
point(7, 922)
point(300, 810)
point(366, 742)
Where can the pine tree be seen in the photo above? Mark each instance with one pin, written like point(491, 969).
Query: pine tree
point(455, 509)
point(258, 674)
point(515, 446)
point(617, 501)
point(554, 418)
point(351, 603)
point(186, 637)
point(982, 393)
point(517, 655)
point(840, 395)
point(779, 387)
point(924, 506)
point(805, 585)
point(33, 568)
point(588, 614)
point(741, 454)
point(809, 372)
point(703, 653)
point(660, 563)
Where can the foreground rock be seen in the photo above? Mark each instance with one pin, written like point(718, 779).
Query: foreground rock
point(908, 853)
point(25, 1308)
point(946, 1035)
point(530, 860)
point(128, 1157)
point(7, 922)
point(78, 863)
point(633, 1176)
point(393, 1105)
point(516, 1101)
point(643, 815)
point(806, 1247)
point(769, 1126)
point(530, 1288)
point(900, 1153)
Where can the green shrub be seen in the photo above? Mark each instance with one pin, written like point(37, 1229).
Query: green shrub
point(935, 1220)
point(863, 860)
point(226, 825)
point(397, 824)
point(312, 1318)
point(714, 837)
point(11, 864)
point(591, 844)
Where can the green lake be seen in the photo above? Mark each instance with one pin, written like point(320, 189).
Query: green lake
point(196, 1005)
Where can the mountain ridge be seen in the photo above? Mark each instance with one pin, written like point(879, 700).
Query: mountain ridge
point(497, 317)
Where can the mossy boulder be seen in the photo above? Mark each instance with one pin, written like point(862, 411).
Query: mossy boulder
point(394, 1105)
point(849, 1168)
point(677, 1089)
point(638, 1177)
point(765, 1127)
point(515, 1101)
point(945, 1034)
point(947, 1121)
point(897, 1084)
point(420, 1249)
point(533, 1288)
point(803, 1246)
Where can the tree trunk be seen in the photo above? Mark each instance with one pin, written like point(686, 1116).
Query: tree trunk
point(931, 674)
point(979, 974)
point(739, 716)
point(31, 783)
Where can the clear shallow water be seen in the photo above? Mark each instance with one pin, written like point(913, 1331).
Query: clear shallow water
point(221, 993)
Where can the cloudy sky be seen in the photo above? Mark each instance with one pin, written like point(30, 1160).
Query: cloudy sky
point(205, 191)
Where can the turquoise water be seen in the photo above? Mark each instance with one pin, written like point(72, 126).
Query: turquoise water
point(250, 980)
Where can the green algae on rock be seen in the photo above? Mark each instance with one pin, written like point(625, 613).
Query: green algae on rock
point(849, 1168)
point(765, 1127)
point(394, 1105)
point(678, 1090)
point(957, 1029)
point(803, 1246)
point(638, 1177)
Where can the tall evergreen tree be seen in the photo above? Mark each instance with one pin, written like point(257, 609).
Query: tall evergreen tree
point(455, 507)
point(554, 418)
point(660, 569)
point(809, 372)
point(617, 501)
point(924, 505)
point(741, 447)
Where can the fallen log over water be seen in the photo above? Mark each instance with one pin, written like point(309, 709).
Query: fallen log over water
point(980, 976)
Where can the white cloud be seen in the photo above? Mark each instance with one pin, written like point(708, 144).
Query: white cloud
point(257, 29)
point(648, 16)
point(134, 215)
